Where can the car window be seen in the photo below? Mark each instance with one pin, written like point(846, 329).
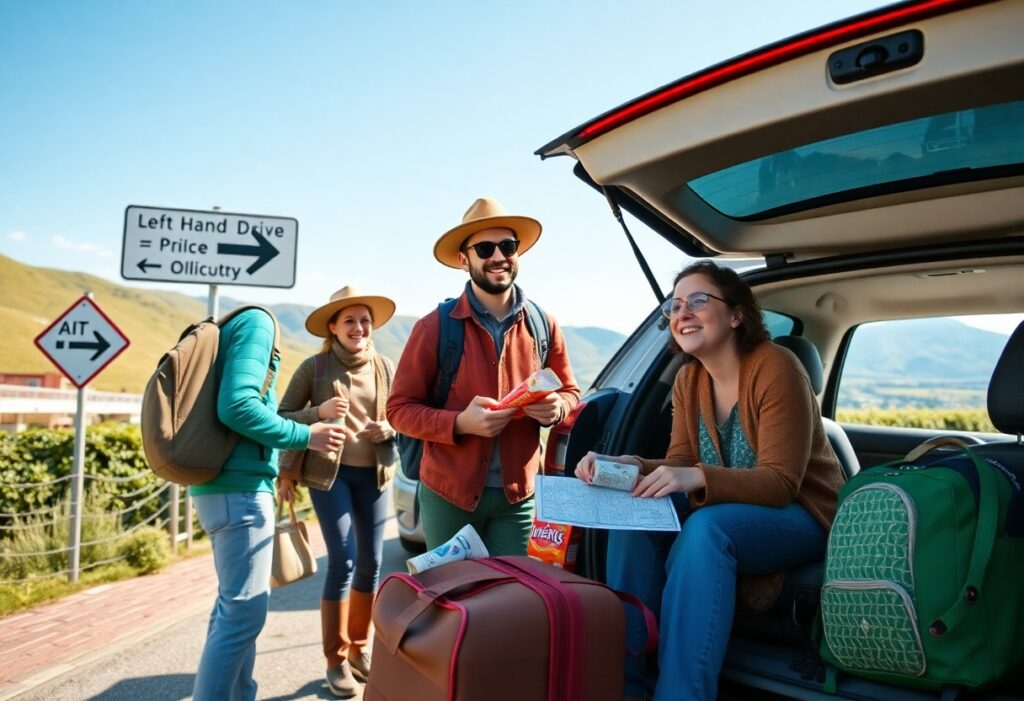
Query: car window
point(923, 373)
point(779, 324)
point(956, 146)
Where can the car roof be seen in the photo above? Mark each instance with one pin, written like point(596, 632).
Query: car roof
point(773, 154)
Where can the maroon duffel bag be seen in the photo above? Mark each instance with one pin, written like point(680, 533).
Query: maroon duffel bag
point(499, 629)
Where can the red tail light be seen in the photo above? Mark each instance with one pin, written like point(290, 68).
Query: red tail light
point(558, 442)
point(771, 55)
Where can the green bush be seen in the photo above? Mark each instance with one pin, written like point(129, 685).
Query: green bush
point(43, 455)
point(42, 534)
point(147, 549)
point(935, 419)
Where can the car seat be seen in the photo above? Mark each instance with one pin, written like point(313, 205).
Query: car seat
point(807, 354)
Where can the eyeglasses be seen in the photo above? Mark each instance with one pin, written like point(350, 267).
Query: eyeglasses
point(485, 249)
point(695, 301)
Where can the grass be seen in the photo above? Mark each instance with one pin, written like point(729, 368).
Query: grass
point(17, 597)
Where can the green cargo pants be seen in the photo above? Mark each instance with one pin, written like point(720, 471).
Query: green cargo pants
point(504, 527)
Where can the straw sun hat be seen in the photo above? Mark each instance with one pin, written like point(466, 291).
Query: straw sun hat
point(485, 213)
point(381, 309)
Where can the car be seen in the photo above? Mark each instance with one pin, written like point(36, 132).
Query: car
point(876, 166)
point(407, 514)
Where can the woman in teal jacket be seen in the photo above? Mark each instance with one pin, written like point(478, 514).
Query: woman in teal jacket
point(236, 508)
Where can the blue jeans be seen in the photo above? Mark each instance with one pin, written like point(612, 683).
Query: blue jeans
point(689, 581)
point(241, 529)
point(352, 504)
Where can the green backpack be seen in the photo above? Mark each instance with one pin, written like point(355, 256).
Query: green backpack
point(924, 576)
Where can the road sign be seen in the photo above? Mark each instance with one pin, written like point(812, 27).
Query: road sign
point(82, 341)
point(214, 248)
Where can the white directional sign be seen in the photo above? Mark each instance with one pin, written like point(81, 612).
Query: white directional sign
point(82, 341)
point(216, 248)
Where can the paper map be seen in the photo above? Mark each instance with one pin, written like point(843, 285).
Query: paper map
point(573, 501)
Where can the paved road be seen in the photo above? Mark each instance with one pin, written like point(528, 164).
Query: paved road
point(289, 664)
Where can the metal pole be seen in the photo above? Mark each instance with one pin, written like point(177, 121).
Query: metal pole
point(77, 487)
point(174, 507)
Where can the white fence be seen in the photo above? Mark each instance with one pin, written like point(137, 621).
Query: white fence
point(17, 401)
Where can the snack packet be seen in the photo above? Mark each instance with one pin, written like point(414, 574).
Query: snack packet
point(538, 385)
point(555, 543)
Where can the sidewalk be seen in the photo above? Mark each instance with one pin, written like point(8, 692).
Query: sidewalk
point(53, 639)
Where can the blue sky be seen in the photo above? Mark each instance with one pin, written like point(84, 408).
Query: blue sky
point(373, 124)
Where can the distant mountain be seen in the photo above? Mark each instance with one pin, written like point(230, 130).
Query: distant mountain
point(923, 350)
point(590, 348)
point(31, 298)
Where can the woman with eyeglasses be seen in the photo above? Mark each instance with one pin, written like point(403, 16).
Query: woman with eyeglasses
point(750, 470)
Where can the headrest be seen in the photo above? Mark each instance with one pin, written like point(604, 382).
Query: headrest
point(1006, 388)
point(808, 355)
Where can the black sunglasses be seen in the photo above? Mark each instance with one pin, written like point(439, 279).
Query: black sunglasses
point(485, 249)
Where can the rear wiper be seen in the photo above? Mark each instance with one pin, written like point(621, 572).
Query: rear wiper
point(617, 212)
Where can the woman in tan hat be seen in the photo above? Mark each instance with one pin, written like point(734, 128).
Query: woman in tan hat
point(347, 382)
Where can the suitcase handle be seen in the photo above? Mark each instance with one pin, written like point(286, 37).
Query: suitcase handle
point(427, 596)
point(650, 622)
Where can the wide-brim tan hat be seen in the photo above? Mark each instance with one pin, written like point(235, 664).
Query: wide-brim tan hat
point(485, 213)
point(381, 309)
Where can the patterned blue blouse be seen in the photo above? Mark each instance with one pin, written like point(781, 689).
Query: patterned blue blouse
point(736, 451)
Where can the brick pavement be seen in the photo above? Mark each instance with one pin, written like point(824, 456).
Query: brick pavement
point(52, 639)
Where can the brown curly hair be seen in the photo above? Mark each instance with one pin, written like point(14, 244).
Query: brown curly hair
point(751, 332)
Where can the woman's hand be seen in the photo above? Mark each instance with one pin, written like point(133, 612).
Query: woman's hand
point(585, 467)
point(333, 408)
point(664, 480)
point(377, 431)
point(285, 490)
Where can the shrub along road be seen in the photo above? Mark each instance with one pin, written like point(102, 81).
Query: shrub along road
point(155, 656)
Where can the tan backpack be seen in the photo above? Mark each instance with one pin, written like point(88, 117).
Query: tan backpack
point(183, 439)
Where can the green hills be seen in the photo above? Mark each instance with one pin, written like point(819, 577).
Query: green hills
point(31, 298)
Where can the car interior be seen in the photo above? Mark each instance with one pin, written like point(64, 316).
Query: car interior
point(897, 194)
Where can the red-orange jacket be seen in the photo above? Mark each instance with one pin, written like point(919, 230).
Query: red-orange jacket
point(456, 466)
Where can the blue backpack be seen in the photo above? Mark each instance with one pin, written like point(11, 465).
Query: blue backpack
point(450, 344)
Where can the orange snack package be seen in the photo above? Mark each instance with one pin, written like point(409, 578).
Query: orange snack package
point(555, 543)
point(538, 385)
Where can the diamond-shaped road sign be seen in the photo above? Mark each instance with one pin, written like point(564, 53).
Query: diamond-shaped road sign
point(82, 341)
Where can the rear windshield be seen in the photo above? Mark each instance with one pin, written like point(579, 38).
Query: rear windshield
point(952, 147)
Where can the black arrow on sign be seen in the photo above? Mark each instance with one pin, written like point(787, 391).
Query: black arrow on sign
point(263, 250)
point(99, 346)
point(143, 265)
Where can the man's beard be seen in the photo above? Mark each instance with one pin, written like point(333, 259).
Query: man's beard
point(479, 276)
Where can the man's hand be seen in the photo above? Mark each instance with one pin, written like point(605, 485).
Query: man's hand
point(545, 411)
point(377, 431)
point(664, 480)
point(333, 408)
point(326, 438)
point(478, 419)
point(285, 490)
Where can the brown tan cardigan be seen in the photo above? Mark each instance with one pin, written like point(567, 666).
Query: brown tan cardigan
point(782, 423)
point(301, 402)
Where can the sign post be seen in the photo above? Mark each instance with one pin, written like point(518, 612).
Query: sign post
point(81, 342)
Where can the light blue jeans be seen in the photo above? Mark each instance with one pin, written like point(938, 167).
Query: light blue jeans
point(241, 529)
point(689, 581)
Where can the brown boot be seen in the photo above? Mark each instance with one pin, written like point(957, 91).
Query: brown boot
point(334, 624)
point(360, 632)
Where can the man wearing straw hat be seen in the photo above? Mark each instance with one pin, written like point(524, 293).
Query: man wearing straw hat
point(479, 464)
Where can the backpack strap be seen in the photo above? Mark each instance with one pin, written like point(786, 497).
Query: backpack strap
point(984, 540)
point(450, 343)
point(538, 326)
point(275, 355)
